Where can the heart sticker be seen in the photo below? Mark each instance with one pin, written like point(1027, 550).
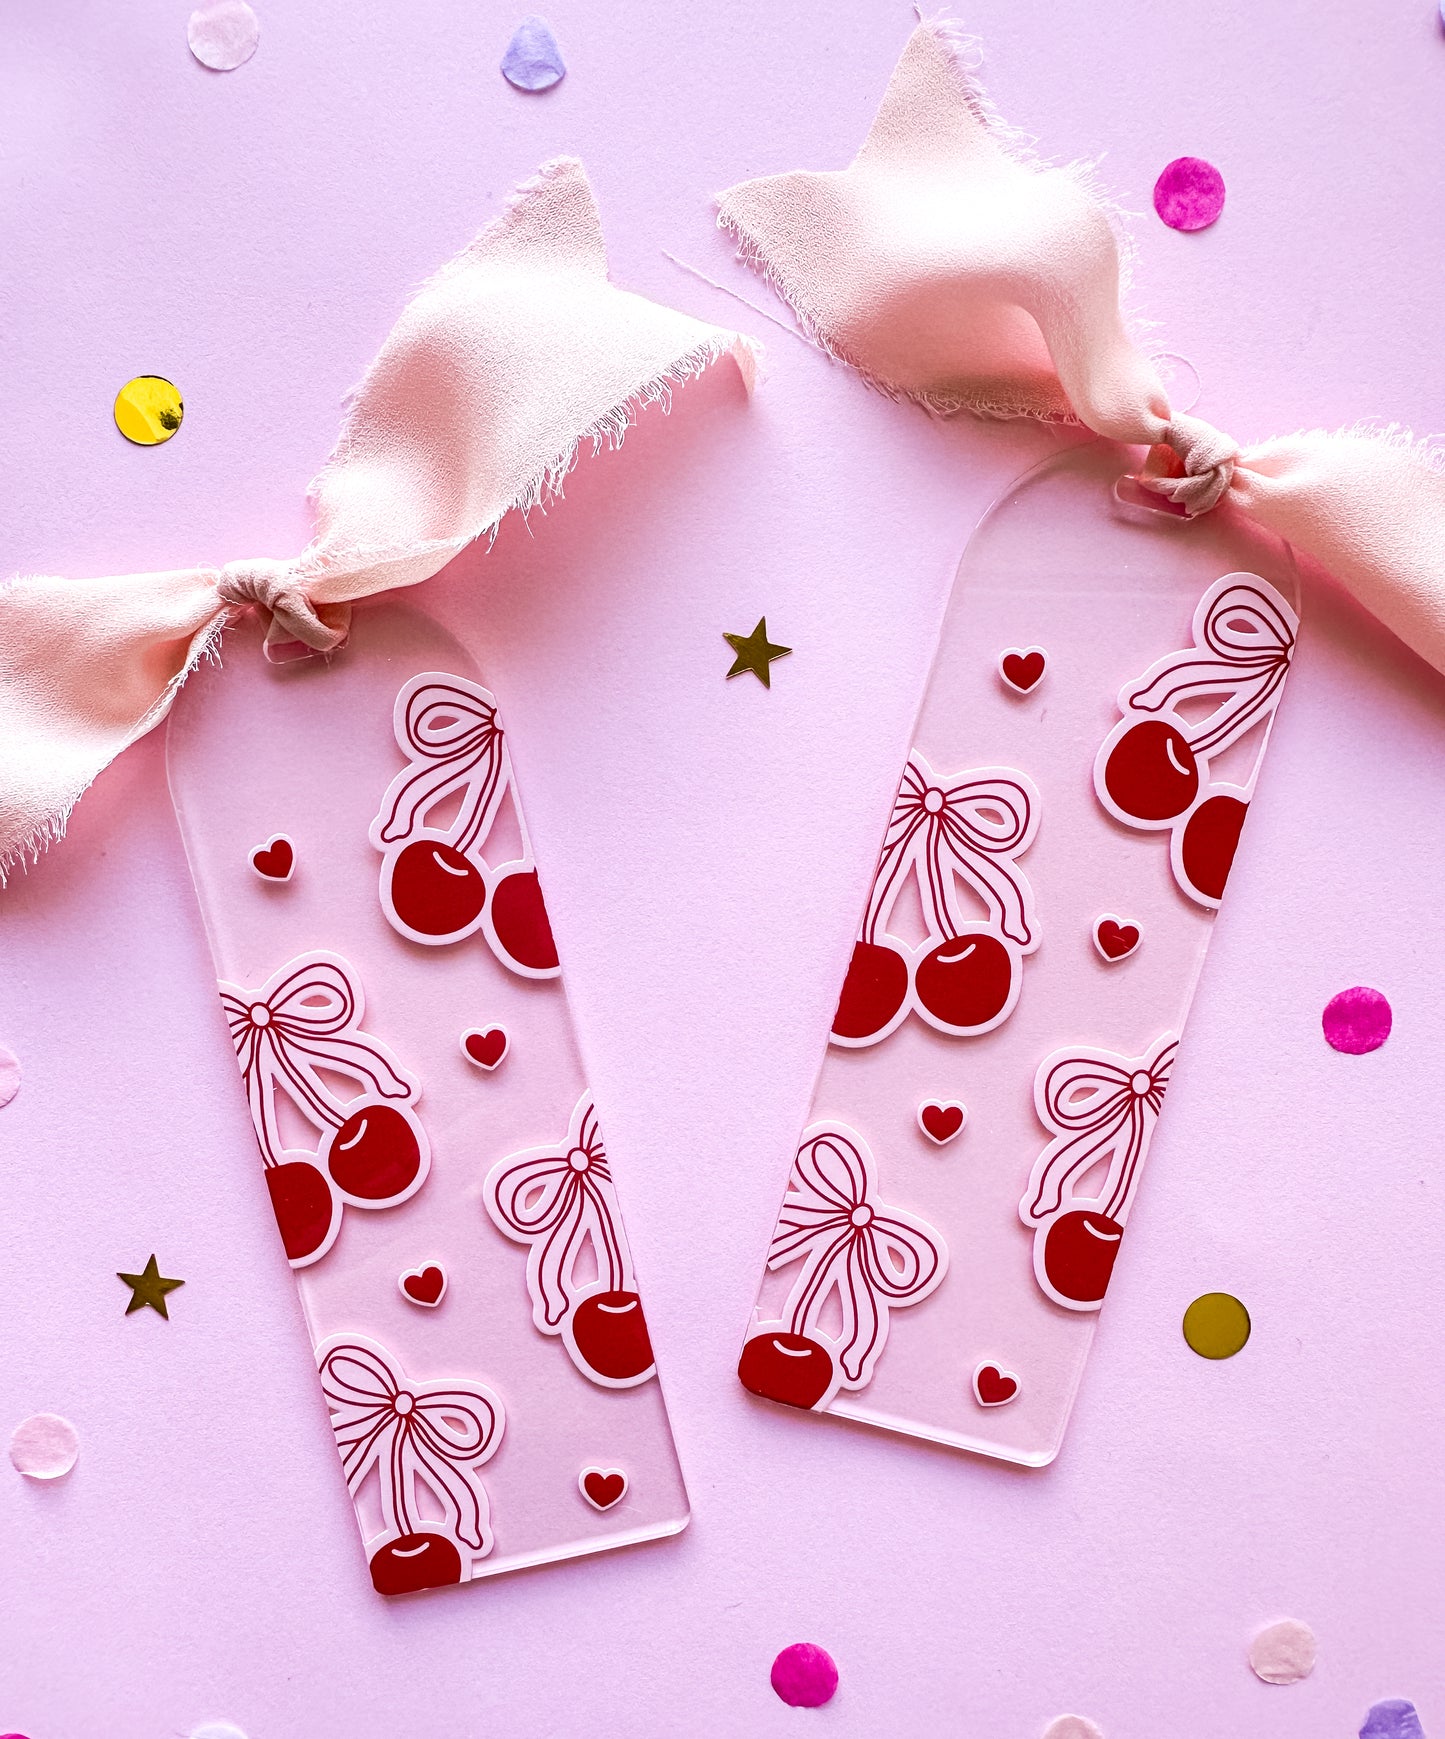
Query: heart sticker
point(1115, 939)
point(1022, 667)
point(485, 1046)
point(992, 1387)
point(275, 860)
point(425, 1285)
point(602, 1486)
point(941, 1121)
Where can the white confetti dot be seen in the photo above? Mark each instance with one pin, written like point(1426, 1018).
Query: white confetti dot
point(44, 1447)
point(9, 1075)
point(1072, 1727)
point(224, 34)
point(1283, 1653)
point(217, 1730)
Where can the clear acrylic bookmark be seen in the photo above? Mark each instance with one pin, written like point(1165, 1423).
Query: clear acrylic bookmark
point(432, 1152)
point(1084, 759)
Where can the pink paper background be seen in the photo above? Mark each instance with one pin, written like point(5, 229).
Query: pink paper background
point(707, 845)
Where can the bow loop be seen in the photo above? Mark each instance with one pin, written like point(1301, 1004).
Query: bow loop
point(437, 1433)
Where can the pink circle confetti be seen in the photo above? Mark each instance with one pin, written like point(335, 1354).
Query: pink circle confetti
point(1357, 1020)
point(9, 1085)
point(804, 1676)
point(1073, 1727)
point(1283, 1653)
point(223, 35)
point(1189, 194)
point(44, 1447)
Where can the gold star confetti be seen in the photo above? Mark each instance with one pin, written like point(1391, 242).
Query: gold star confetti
point(150, 1287)
point(755, 652)
point(148, 410)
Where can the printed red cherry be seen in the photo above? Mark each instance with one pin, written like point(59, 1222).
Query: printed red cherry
point(873, 991)
point(1210, 837)
point(374, 1155)
point(786, 1367)
point(414, 1562)
point(435, 890)
point(610, 1332)
point(520, 920)
point(302, 1203)
point(965, 981)
point(1079, 1252)
point(1151, 772)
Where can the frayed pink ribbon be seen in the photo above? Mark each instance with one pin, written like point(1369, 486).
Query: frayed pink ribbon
point(950, 266)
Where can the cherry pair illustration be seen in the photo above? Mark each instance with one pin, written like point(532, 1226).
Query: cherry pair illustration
point(435, 893)
point(372, 1159)
point(1154, 769)
point(1153, 778)
point(293, 1036)
point(559, 1200)
point(963, 984)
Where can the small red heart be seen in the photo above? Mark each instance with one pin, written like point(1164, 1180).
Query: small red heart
point(485, 1046)
point(941, 1123)
point(1021, 667)
point(993, 1387)
point(425, 1285)
point(603, 1486)
point(275, 860)
point(1114, 939)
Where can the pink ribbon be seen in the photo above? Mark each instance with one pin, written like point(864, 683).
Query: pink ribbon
point(872, 1255)
point(555, 1201)
point(951, 266)
point(304, 1018)
point(450, 732)
point(970, 826)
point(1102, 1108)
point(508, 359)
point(439, 1433)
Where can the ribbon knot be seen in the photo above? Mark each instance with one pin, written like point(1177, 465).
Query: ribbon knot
point(275, 587)
point(438, 1433)
point(1208, 458)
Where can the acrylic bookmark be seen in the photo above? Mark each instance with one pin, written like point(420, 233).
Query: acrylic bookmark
point(433, 1155)
point(1051, 866)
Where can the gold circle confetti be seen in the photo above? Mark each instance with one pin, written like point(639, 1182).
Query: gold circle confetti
point(148, 410)
point(1216, 1325)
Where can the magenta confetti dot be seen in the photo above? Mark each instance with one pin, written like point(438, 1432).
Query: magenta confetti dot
point(1357, 1020)
point(1189, 194)
point(804, 1676)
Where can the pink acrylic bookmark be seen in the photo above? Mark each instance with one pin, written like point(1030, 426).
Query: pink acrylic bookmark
point(1050, 869)
point(433, 1154)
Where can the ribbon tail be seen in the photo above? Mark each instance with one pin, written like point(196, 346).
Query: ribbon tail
point(87, 667)
point(1370, 508)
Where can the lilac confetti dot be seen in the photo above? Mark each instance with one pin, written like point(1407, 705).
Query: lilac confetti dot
point(804, 1676)
point(1394, 1718)
point(533, 61)
point(1189, 194)
point(1357, 1020)
point(9, 1085)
